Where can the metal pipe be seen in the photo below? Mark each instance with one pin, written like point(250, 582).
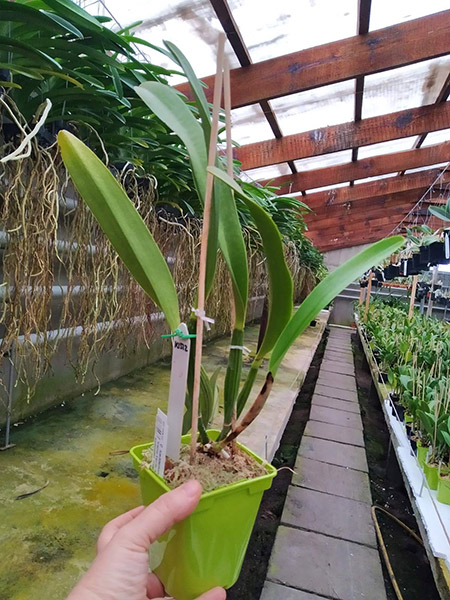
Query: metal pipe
point(11, 383)
point(55, 334)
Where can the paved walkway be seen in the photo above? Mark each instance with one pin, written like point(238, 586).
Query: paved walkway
point(326, 544)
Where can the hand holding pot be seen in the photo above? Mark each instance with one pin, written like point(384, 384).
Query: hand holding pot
point(120, 570)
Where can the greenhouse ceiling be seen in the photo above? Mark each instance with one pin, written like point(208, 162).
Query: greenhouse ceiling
point(350, 94)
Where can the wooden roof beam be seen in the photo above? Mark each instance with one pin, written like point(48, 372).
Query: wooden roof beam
point(370, 206)
point(325, 241)
point(366, 219)
point(442, 97)
point(380, 50)
point(229, 25)
point(367, 167)
point(372, 189)
point(364, 8)
point(345, 136)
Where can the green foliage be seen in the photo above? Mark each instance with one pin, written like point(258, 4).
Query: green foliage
point(54, 49)
point(416, 354)
point(129, 235)
point(327, 290)
point(121, 223)
point(441, 212)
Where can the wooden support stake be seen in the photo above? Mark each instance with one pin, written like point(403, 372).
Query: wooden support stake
point(204, 244)
point(413, 296)
point(361, 296)
point(369, 291)
point(430, 300)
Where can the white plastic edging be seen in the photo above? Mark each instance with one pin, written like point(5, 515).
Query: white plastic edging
point(435, 515)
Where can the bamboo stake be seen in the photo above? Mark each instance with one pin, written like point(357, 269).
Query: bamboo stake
point(369, 291)
point(204, 244)
point(413, 296)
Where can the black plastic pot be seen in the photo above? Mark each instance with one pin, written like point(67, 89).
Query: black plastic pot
point(412, 270)
point(436, 253)
point(424, 255)
point(416, 262)
point(382, 378)
point(391, 272)
point(413, 443)
point(379, 275)
point(408, 427)
point(399, 411)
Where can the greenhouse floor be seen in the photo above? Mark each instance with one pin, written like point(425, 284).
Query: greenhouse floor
point(326, 545)
point(78, 451)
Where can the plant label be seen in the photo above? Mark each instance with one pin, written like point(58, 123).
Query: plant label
point(178, 380)
point(160, 444)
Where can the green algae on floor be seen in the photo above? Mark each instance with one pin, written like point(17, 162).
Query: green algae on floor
point(49, 538)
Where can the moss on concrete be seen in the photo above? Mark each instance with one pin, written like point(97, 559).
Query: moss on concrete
point(49, 538)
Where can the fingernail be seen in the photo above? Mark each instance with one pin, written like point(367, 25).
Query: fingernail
point(192, 488)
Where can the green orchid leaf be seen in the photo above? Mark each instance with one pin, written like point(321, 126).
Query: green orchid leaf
point(327, 290)
point(196, 86)
point(440, 212)
point(28, 50)
point(232, 245)
point(169, 106)
point(121, 223)
point(280, 280)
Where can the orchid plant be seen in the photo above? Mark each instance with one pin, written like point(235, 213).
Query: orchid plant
point(136, 247)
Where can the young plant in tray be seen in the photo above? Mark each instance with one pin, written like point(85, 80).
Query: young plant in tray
point(209, 547)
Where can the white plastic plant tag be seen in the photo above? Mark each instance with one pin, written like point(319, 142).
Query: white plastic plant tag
point(178, 381)
point(447, 244)
point(160, 443)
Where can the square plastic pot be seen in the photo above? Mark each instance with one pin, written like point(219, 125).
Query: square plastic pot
point(432, 475)
point(443, 490)
point(206, 549)
point(422, 452)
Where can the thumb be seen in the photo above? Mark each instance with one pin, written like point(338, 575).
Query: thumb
point(160, 516)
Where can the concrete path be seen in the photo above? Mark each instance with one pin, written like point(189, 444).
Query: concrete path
point(326, 544)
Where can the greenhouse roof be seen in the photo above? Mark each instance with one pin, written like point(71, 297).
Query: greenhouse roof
point(305, 72)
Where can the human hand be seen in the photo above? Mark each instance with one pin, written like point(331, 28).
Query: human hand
point(120, 570)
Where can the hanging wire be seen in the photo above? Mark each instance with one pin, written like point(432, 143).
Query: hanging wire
point(421, 199)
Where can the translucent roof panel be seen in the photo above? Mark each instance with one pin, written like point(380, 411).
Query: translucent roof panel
point(437, 137)
point(403, 88)
point(368, 179)
point(191, 24)
point(427, 168)
point(324, 188)
point(320, 107)
point(275, 28)
point(269, 172)
point(250, 125)
point(386, 147)
point(387, 12)
point(326, 160)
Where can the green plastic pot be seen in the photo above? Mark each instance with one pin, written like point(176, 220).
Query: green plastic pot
point(422, 452)
point(443, 490)
point(432, 475)
point(408, 418)
point(206, 549)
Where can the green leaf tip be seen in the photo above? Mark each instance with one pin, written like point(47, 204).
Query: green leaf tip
point(327, 290)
